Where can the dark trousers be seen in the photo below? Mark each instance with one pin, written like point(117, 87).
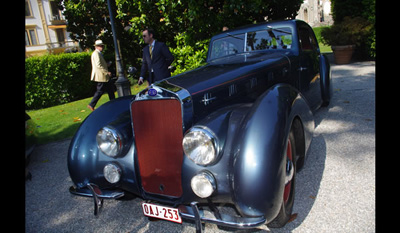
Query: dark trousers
point(101, 89)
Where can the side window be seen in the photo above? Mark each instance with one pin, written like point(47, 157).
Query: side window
point(307, 40)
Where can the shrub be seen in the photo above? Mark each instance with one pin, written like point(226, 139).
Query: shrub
point(188, 57)
point(348, 32)
point(352, 31)
point(57, 79)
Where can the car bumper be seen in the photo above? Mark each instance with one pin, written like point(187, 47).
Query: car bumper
point(191, 212)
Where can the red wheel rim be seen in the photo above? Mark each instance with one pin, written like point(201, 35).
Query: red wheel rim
point(288, 186)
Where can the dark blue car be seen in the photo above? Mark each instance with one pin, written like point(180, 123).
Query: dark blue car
point(231, 133)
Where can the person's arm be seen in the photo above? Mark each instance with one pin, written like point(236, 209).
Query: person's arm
point(169, 58)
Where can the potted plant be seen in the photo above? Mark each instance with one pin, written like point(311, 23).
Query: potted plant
point(343, 37)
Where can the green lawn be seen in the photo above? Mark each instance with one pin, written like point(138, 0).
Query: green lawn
point(323, 47)
point(62, 121)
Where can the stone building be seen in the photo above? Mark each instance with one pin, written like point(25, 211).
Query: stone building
point(45, 29)
point(316, 12)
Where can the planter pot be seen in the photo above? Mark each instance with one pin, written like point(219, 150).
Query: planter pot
point(343, 53)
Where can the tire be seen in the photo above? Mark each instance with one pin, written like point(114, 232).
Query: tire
point(289, 190)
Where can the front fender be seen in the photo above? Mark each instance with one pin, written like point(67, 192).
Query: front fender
point(224, 124)
point(86, 161)
point(258, 173)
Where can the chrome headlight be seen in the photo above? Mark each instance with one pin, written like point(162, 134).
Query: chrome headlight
point(203, 184)
point(109, 141)
point(200, 145)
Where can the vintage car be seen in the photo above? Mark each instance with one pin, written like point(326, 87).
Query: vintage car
point(231, 133)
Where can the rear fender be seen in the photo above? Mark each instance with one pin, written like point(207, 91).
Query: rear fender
point(326, 80)
point(258, 169)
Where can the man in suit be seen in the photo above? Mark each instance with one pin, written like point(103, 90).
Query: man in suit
point(100, 74)
point(156, 59)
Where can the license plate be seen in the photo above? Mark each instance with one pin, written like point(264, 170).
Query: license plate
point(161, 212)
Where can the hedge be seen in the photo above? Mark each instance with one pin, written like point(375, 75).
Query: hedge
point(57, 79)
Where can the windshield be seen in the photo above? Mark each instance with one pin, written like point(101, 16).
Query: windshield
point(268, 39)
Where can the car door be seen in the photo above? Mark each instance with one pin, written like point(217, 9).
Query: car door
point(309, 71)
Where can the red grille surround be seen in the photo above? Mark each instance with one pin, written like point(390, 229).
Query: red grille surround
point(157, 126)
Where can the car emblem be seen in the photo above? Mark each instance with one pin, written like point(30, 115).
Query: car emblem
point(152, 92)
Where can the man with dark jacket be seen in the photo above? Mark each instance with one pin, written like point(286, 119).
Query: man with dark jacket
point(156, 59)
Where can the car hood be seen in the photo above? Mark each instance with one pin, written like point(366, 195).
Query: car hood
point(220, 71)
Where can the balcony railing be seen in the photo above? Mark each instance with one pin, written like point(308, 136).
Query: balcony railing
point(65, 46)
point(58, 19)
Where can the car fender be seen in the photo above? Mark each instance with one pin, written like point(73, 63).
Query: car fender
point(326, 80)
point(258, 169)
point(223, 123)
point(86, 161)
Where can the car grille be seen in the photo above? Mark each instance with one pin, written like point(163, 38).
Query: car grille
point(157, 126)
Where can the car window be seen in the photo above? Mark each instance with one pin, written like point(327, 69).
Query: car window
point(269, 39)
point(307, 40)
point(229, 45)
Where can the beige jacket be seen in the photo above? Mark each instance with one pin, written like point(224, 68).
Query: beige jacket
point(99, 68)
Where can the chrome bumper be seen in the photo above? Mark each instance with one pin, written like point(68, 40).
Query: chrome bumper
point(98, 195)
point(191, 212)
point(105, 194)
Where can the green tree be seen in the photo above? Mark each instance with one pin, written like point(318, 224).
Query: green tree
point(178, 23)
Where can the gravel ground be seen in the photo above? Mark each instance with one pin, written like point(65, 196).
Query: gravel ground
point(335, 191)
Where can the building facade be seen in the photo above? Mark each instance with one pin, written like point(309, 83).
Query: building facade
point(45, 29)
point(316, 12)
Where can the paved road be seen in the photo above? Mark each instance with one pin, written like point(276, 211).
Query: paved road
point(335, 192)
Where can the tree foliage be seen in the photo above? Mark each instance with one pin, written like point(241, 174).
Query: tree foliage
point(179, 23)
point(342, 9)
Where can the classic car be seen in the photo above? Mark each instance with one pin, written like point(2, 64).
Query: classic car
point(231, 133)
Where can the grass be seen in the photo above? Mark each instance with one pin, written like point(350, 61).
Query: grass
point(62, 121)
point(323, 47)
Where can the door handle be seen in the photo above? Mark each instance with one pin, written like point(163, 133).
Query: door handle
point(302, 68)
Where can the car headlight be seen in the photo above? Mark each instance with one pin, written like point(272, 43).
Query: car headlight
point(112, 173)
point(203, 184)
point(200, 145)
point(109, 141)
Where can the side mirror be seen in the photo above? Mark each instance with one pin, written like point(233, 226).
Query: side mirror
point(132, 70)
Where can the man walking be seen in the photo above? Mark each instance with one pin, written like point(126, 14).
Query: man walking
point(156, 59)
point(100, 74)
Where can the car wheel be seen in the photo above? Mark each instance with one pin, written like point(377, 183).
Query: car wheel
point(288, 192)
